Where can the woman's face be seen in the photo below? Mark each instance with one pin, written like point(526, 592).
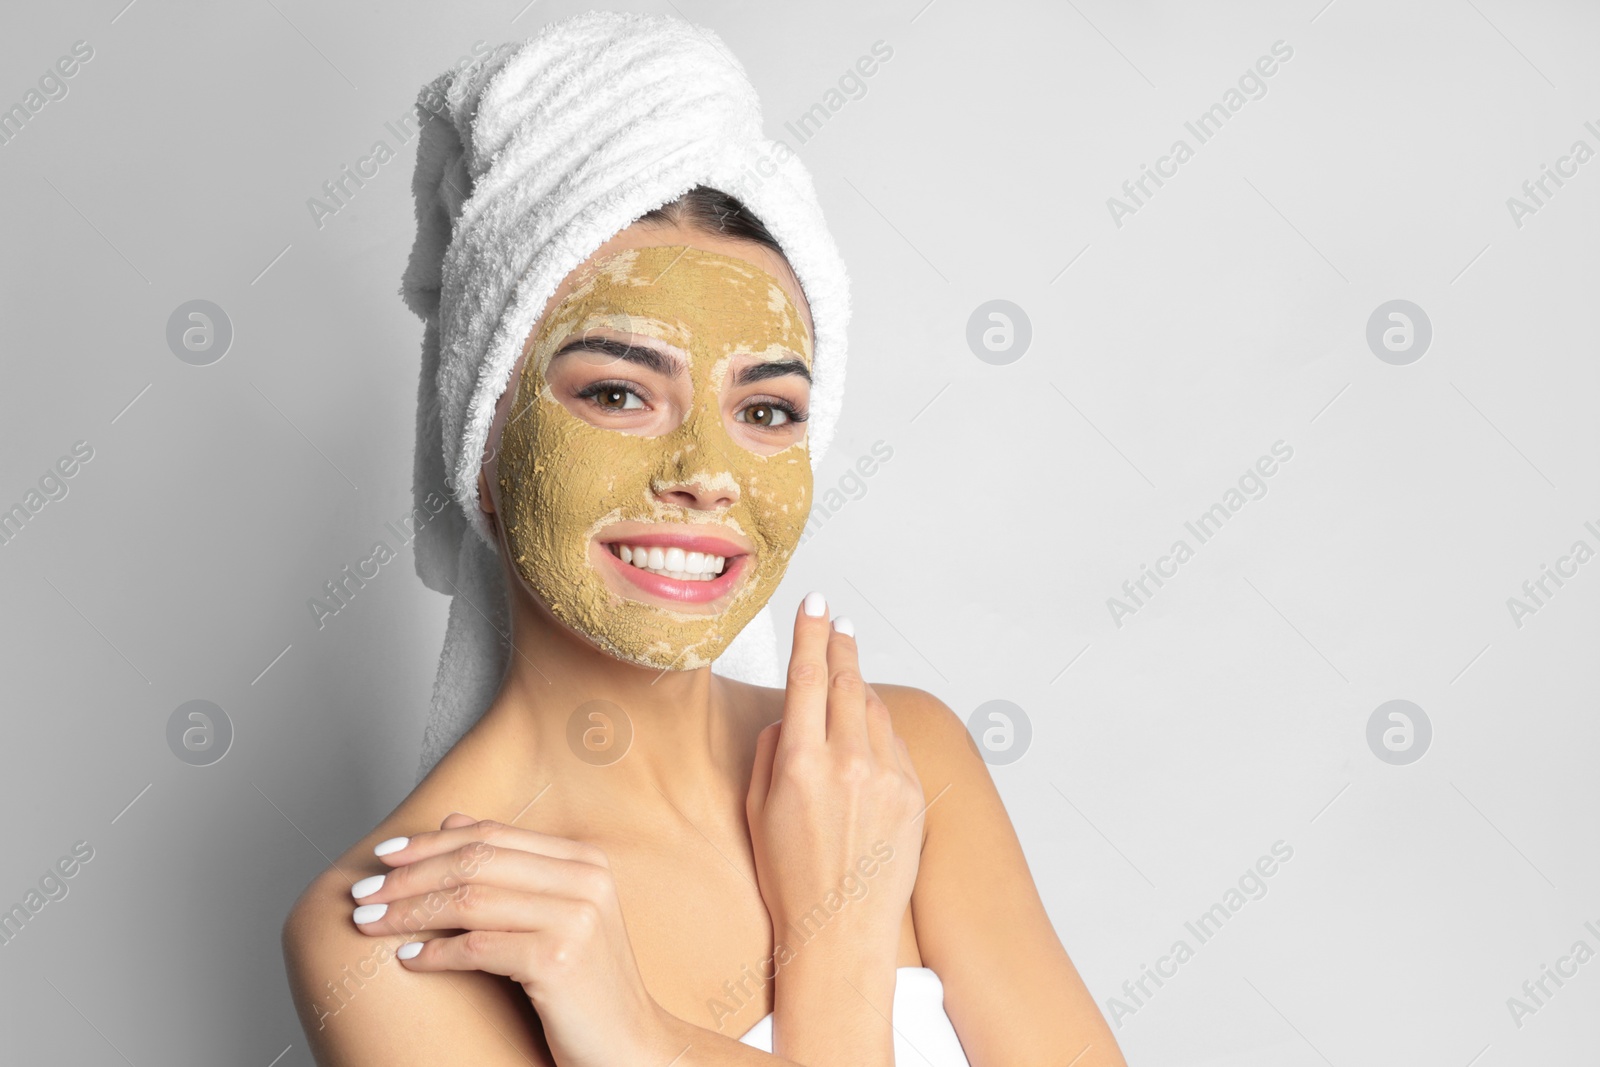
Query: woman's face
point(657, 413)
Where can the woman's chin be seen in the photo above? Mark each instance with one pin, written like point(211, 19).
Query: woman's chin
point(641, 619)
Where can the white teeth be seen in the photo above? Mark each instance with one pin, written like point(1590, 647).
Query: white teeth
point(672, 562)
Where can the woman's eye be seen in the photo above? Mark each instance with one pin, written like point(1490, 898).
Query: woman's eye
point(612, 396)
point(769, 415)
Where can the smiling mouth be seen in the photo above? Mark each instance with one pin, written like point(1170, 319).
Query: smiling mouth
point(673, 562)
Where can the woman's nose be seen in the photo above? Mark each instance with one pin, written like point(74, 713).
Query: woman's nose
point(700, 492)
point(700, 477)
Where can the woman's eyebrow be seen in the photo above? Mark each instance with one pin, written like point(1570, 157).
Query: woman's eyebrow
point(775, 368)
point(671, 367)
point(660, 362)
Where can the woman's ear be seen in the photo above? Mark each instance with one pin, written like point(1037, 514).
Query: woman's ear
point(486, 501)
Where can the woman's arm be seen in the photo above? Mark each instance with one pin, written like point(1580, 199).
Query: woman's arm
point(362, 1007)
point(1010, 989)
point(833, 792)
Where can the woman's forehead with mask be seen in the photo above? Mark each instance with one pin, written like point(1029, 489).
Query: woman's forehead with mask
point(705, 303)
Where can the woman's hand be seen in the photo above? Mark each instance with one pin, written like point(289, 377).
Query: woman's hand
point(539, 909)
point(833, 807)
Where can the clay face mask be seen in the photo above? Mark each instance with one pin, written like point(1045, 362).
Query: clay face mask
point(564, 478)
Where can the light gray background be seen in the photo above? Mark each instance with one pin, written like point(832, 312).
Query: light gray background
point(1167, 354)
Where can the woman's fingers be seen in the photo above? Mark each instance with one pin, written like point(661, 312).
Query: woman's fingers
point(471, 906)
point(805, 700)
point(492, 951)
point(399, 851)
point(467, 873)
point(482, 864)
point(847, 691)
point(826, 698)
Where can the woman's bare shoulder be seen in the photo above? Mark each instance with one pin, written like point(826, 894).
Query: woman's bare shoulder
point(937, 737)
point(934, 733)
point(359, 1005)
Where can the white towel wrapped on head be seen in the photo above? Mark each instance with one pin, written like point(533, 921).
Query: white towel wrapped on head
point(543, 150)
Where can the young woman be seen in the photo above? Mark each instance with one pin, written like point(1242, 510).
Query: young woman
point(630, 859)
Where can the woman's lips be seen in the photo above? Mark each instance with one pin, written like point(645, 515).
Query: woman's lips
point(683, 591)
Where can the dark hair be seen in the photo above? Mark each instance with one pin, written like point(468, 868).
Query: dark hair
point(713, 211)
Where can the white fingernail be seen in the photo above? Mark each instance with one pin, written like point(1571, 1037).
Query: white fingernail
point(815, 604)
point(394, 844)
point(367, 886)
point(844, 625)
point(408, 950)
point(369, 913)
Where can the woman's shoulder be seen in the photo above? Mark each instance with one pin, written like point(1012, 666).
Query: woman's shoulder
point(321, 916)
point(357, 1002)
point(322, 911)
point(916, 709)
point(956, 783)
point(935, 734)
point(932, 730)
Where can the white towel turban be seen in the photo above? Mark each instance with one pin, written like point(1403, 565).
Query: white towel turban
point(529, 159)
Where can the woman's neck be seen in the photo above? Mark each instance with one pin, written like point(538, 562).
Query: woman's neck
point(618, 736)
